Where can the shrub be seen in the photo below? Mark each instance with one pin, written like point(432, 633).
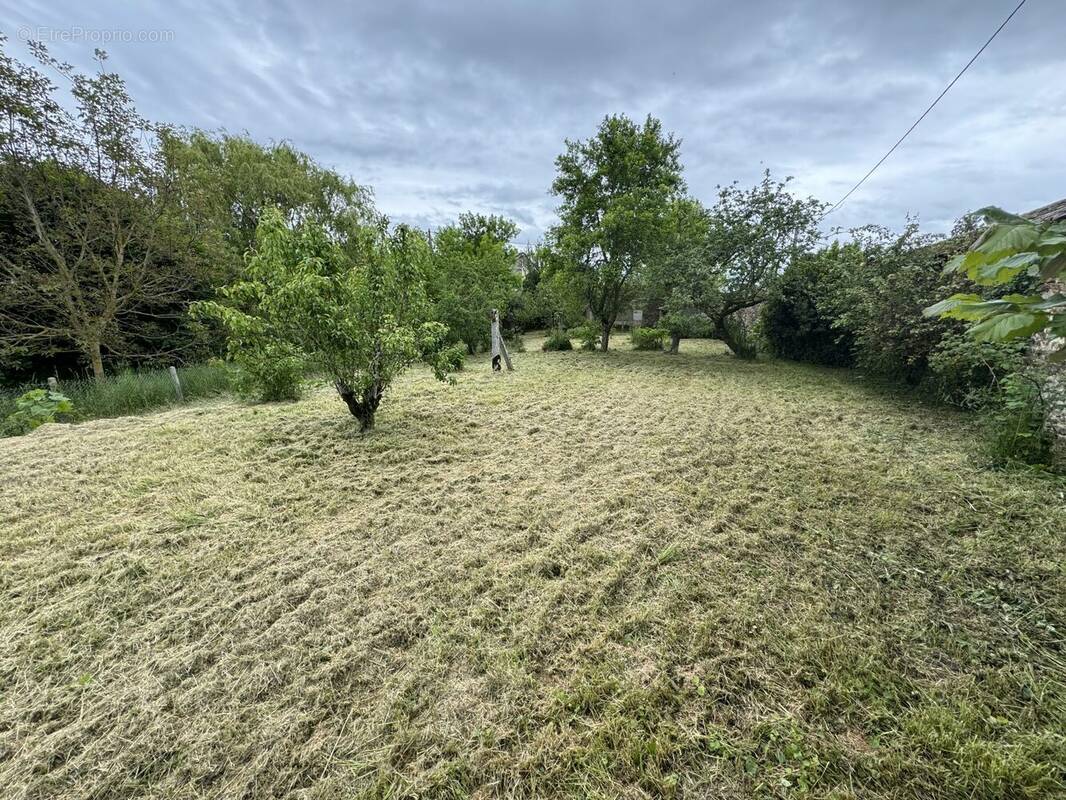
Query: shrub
point(454, 356)
point(1016, 421)
point(268, 371)
point(587, 334)
point(800, 321)
point(35, 408)
point(557, 340)
point(648, 338)
point(964, 372)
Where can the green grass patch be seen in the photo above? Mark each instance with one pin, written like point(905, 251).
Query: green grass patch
point(132, 391)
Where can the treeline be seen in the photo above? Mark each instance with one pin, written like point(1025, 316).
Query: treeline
point(112, 227)
point(124, 242)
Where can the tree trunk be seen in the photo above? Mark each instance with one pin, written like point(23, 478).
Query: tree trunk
point(361, 407)
point(675, 342)
point(605, 337)
point(725, 332)
point(97, 361)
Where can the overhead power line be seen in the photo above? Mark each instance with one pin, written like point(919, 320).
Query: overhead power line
point(925, 113)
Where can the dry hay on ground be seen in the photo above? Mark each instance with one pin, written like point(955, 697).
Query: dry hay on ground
point(621, 575)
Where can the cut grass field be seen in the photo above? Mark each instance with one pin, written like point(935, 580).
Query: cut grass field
point(602, 575)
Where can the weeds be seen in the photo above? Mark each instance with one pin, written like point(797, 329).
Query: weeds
point(133, 391)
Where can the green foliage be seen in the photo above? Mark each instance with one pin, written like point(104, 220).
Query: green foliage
point(645, 338)
point(740, 336)
point(350, 304)
point(968, 373)
point(226, 183)
point(800, 320)
point(616, 191)
point(557, 340)
point(136, 391)
point(587, 334)
point(96, 249)
point(1012, 246)
point(1015, 419)
point(35, 408)
point(268, 369)
point(471, 273)
point(454, 357)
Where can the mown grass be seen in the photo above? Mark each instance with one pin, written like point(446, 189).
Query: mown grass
point(131, 391)
point(602, 575)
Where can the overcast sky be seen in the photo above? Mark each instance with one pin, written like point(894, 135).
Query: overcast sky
point(445, 107)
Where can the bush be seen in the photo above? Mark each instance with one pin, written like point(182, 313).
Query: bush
point(454, 356)
point(269, 372)
point(648, 338)
point(965, 372)
point(1016, 421)
point(35, 408)
point(588, 335)
point(557, 340)
point(800, 321)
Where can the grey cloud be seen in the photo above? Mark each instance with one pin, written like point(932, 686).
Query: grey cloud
point(443, 107)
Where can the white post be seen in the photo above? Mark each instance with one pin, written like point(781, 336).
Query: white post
point(494, 333)
point(499, 347)
point(177, 384)
point(53, 384)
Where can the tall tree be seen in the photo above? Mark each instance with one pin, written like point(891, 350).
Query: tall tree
point(472, 272)
point(93, 250)
point(227, 183)
point(616, 190)
point(753, 234)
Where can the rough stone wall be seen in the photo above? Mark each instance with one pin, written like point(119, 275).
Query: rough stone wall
point(1055, 387)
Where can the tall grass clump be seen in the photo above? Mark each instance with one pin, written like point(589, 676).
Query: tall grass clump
point(131, 391)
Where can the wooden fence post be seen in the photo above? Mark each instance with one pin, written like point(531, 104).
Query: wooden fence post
point(177, 384)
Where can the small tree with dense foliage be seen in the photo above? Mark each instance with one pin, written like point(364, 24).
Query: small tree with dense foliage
point(353, 307)
point(754, 234)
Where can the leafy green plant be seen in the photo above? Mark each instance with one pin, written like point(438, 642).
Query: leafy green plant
point(644, 338)
point(350, 301)
point(454, 356)
point(1010, 247)
point(968, 373)
point(37, 407)
point(587, 334)
point(1016, 422)
point(268, 370)
point(557, 340)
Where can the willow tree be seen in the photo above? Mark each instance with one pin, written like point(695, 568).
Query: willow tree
point(616, 190)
